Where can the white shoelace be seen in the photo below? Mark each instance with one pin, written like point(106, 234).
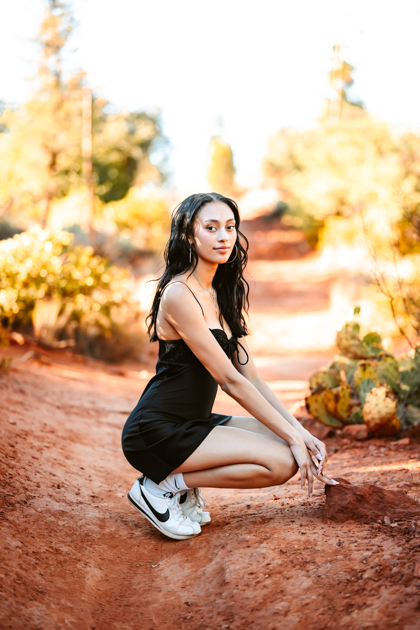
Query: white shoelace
point(176, 510)
point(199, 502)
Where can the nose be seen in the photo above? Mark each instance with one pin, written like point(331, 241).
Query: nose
point(223, 236)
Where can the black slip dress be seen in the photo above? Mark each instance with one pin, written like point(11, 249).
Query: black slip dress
point(174, 414)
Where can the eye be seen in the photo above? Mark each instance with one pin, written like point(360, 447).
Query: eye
point(211, 227)
point(231, 227)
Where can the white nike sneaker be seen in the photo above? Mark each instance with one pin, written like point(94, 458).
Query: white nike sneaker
point(163, 512)
point(192, 504)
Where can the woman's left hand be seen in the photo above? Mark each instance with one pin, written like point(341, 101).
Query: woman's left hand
point(317, 449)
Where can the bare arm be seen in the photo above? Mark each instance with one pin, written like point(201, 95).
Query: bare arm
point(182, 312)
point(250, 372)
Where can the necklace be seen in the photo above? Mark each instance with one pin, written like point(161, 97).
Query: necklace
point(211, 293)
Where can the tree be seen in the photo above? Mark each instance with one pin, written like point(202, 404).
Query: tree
point(347, 165)
point(122, 143)
point(41, 139)
point(340, 81)
point(41, 142)
point(221, 171)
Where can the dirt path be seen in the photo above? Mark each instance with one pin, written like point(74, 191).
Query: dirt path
point(74, 554)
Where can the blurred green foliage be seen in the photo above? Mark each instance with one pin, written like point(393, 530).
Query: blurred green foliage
point(341, 170)
point(143, 216)
point(121, 149)
point(94, 298)
point(354, 182)
point(41, 141)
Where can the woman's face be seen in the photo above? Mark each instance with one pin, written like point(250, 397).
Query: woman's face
point(215, 232)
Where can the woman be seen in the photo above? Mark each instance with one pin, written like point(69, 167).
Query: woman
point(172, 436)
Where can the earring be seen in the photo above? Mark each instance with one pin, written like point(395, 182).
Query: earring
point(236, 253)
point(190, 253)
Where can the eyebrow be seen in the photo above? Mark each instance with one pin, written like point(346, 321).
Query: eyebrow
point(217, 220)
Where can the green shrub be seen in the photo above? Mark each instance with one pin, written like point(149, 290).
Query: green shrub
point(143, 217)
point(64, 291)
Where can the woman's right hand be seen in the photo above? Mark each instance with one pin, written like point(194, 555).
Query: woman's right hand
point(307, 468)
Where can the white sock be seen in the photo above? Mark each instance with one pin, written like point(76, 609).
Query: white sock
point(173, 483)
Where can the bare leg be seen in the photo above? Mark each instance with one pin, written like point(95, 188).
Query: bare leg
point(236, 458)
point(255, 426)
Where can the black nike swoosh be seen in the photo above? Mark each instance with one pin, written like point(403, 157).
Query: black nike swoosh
point(161, 517)
point(176, 485)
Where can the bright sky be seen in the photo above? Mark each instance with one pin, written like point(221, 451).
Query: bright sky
point(256, 66)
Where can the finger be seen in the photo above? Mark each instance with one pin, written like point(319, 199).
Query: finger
point(318, 452)
point(310, 483)
point(315, 449)
point(315, 461)
point(327, 480)
point(323, 458)
point(322, 450)
point(303, 475)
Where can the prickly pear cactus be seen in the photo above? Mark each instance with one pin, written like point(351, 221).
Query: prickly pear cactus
point(324, 378)
point(413, 415)
point(356, 416)
point(387, 369)
point(351, 346)
point(343, 368)
point(409, 379)
point(364, 370)
point(379, 412)
point(316, 406)
point(364, 388)
point(365, 384)
point(337, 402)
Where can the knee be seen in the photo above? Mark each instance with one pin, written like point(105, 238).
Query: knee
point(283, 470)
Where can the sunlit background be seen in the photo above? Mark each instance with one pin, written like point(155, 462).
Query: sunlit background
point(307, 113)
point(239, 69)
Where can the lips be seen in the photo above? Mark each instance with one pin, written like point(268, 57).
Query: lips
point(223, 250)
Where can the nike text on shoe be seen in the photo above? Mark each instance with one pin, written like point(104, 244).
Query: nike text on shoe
point(192, 504)
point(163, 512)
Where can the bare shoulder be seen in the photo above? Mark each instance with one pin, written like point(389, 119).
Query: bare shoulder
point(175, 289)
point(177, 295)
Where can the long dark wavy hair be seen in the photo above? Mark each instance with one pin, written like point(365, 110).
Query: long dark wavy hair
point(231, 287)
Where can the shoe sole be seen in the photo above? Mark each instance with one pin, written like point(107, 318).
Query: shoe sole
point(200, 523)
point(149, 518)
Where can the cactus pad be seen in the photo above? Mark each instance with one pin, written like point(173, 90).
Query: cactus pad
point(316, 407)
point(324, 378)
point(364, 370)
point(337, 402)
point(379, 412)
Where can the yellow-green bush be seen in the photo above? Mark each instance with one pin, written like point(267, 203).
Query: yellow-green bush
point(143, 216)
point(42, 266)
point(332, 173)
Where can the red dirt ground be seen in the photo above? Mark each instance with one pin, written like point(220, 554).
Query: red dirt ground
point(75, 555)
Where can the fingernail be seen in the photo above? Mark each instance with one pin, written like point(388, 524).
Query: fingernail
point(318, 456)
point(336, 483)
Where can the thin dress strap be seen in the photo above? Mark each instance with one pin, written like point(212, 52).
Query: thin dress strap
point(179, 282)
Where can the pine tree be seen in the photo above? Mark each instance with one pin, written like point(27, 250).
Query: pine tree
point(221, 171)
